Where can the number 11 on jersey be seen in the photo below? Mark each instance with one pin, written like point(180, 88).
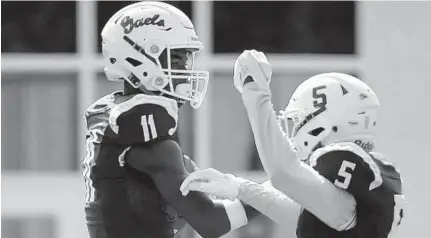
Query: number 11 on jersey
point(148, 126)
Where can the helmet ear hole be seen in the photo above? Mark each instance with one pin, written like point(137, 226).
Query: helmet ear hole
point(133, 62)
point(316, 131)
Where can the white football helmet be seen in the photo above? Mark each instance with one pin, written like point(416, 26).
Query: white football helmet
point(138, 36)
point(330, 108)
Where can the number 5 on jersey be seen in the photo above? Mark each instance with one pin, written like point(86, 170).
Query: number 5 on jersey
point(148, 127)
point(347, 176)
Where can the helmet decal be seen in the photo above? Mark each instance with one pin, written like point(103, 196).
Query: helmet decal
point(129, 24)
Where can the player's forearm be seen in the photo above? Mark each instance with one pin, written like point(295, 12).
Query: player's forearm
point(165, 163)
point(273, 148)
point(270, 202)
point(213, 218)
point(208, 218)
point(334, 206)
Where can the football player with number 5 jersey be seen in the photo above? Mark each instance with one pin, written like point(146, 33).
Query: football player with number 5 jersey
point(345, 189)
point(134, 165)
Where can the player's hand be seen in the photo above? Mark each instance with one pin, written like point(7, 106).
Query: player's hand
point(250, 66)
point(212, 182)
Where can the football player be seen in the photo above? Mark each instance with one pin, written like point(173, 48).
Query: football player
point(344, 188)
point(134, 165)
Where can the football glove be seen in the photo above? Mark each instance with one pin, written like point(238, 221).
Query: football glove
point(250, 66)
point(212, 182)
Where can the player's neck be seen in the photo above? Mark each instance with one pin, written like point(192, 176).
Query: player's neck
point(128, 89)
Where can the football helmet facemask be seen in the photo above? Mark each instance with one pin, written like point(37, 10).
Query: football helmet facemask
point(152, 46)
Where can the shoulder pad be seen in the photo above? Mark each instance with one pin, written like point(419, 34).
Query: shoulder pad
point(141, 99)
point(355, 149)
point(380, 157)
point(101, 105)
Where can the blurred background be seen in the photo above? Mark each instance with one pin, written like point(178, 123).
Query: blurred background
point(52, 71)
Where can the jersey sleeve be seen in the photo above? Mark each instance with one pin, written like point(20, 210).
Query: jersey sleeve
point(348, 167)
point(143, 119)
point(269, 201)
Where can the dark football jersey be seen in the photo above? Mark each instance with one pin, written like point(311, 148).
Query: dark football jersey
point(127, 198)
point(374, 183)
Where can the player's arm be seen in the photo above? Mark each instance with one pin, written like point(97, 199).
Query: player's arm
point(163, 161)
point(270, 202)
point(263, 197)
point(297, 180)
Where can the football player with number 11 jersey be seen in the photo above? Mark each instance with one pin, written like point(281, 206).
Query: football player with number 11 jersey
point(134, 165)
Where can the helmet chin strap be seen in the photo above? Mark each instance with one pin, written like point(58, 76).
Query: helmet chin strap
point(182, 89)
